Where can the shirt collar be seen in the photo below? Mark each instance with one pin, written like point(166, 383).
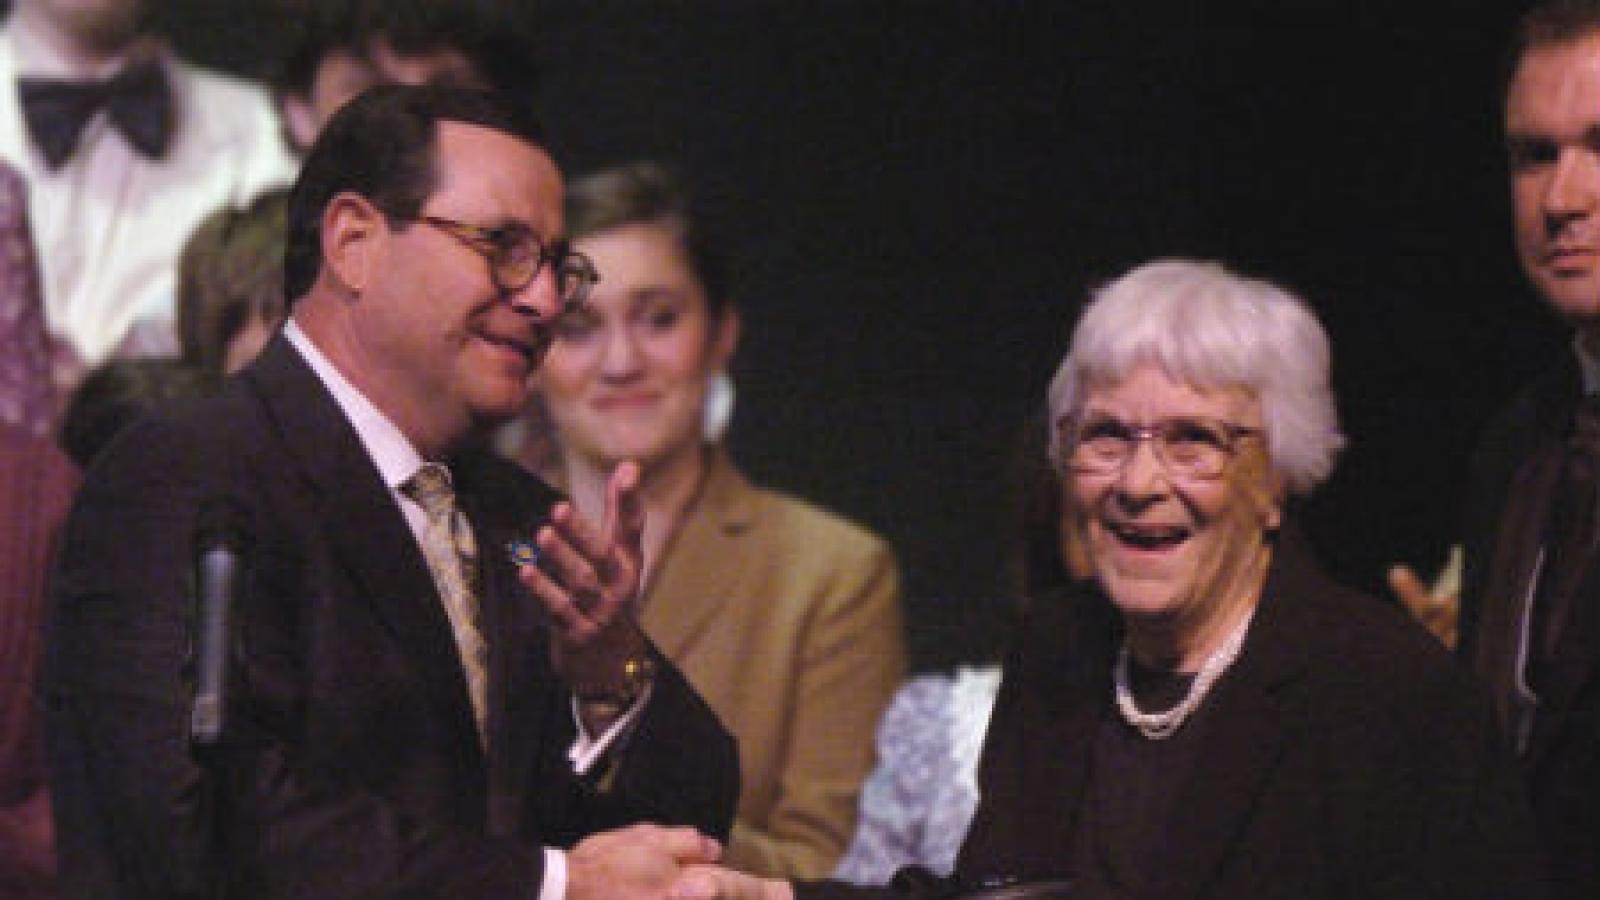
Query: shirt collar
point(395, 457)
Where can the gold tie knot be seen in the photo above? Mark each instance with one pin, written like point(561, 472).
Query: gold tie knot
point(431, 488)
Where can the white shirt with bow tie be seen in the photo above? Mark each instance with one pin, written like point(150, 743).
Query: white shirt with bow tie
point(109, 224)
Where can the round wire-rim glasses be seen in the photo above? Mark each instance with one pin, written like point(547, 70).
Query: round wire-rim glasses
point(516, 256)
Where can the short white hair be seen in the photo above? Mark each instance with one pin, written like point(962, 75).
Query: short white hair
point(1208, 327)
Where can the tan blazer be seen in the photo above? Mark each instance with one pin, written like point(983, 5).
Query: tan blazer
point(787, 620)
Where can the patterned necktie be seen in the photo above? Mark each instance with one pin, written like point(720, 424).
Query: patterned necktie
point(1570, 539)
point(452, 556)
point(137, 100)
point(27, 396)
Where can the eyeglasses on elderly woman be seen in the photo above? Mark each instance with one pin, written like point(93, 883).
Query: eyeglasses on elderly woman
point(1190, 448)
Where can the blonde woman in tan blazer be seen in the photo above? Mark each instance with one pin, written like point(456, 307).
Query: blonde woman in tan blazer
point(785, 618)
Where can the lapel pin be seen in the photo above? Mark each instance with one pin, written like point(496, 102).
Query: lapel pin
point(523, 553)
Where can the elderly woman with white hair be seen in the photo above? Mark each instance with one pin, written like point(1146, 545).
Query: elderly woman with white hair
point(1207, 715)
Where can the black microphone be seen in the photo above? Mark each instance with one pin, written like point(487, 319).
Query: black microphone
point(222, 540)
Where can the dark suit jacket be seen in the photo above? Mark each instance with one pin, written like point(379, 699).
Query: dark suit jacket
point(1519, 456)
point(352, 767)
point(1345, 756)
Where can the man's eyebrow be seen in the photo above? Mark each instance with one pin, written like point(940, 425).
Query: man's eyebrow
point(1590, 134)
point(1525, 142)
point(1528, 136)
point(501, 229)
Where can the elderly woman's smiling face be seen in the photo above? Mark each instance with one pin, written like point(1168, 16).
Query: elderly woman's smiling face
point(1176, 532)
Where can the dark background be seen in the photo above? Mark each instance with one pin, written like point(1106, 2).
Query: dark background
point(921, 192)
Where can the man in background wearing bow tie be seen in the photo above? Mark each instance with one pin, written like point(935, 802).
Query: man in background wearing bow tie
point(125, 148)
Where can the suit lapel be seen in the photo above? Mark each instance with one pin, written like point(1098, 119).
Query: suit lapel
point(521, 683)
point(1245, 734)
point(1038, 751)
point(366, 535)
point(1511, 577)
point(1574, 668)
point(705, 547)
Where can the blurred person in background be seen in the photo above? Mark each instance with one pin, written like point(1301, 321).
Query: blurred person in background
point(36, 484)
point(1521, 595)
point(120, 393)
point(125, 148)
point(27, 390)
point(1530, 588)
point(785, 617)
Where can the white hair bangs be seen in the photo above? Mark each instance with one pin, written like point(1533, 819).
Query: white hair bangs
point(1207, 327)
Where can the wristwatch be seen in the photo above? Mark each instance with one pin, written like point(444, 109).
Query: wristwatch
point(610, 700)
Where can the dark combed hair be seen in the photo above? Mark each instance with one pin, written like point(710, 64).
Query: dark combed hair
point(483, 31)
point(650, 193)
point(1550, 22)
point(381, 146)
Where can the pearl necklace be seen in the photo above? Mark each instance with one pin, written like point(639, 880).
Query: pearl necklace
point(1162, 725)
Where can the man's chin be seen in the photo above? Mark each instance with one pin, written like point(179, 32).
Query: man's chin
point(499, 408)
point(1577, 300)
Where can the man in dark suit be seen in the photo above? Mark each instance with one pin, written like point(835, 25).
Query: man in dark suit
point(411, 710)
point(1530, 603)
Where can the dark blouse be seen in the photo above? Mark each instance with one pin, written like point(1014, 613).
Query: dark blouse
point(1132, 786)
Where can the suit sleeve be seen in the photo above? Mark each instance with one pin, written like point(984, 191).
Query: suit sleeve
point(139, 815)
point(1471, 832)
point(678, 767)
point(853, 659)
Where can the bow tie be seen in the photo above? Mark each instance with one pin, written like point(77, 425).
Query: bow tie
point(137, 100)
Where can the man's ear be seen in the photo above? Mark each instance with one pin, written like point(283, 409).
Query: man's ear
point(351, 230)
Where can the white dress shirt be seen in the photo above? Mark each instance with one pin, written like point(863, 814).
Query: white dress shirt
point(109, 224)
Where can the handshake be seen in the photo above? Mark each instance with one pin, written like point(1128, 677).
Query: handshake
point(653, 862)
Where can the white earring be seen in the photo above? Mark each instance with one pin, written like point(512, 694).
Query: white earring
point(718, 408)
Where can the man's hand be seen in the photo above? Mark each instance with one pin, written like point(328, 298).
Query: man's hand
point(642, 861)
point(717, 883)
point(1439, 607)
point(596, 581)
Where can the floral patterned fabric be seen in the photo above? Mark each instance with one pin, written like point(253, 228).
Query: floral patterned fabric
point(26, 393)
point(919, 801)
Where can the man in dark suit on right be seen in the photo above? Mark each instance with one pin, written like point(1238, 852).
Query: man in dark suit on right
point(1530, 614)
